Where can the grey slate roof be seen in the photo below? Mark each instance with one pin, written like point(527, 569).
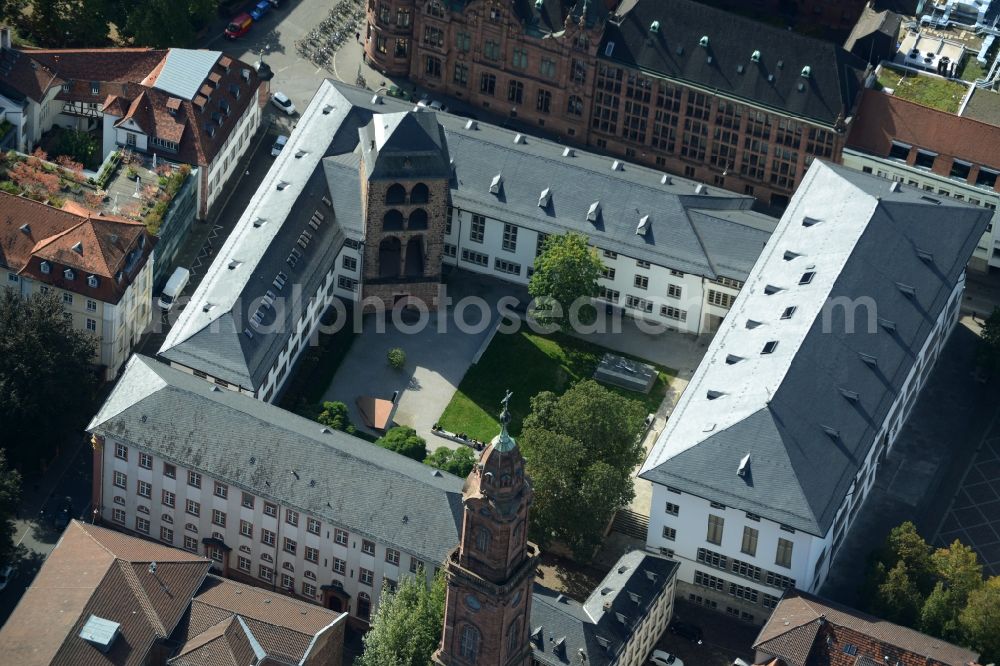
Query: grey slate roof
point(563, 629)
point(360, 486)
point(779, 407)
point(674, 52)
point(711, 234)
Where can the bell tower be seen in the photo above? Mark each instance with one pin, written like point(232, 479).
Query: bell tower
point(490, 573)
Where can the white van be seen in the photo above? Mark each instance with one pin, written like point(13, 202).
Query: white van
point(175, 285)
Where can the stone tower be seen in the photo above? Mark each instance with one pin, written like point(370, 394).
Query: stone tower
point(405, 171)
point(490, 574)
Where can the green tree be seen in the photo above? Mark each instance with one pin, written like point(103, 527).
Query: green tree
point(902, 545)
point(958, 574)
point(405, 441)
point(85, 24)
point(406, 628)
point(458, 461)
point(335, 415)
point(565, 277)
point(988, 354)
point(201, 12)
point(899, 600)
point(979, 621)
point(580, 449)
point(160, 24)
point(45, 366)
point(10, 496)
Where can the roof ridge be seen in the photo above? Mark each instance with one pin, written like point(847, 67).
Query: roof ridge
point(140, 593)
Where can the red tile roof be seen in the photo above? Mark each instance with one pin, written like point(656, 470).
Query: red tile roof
point(103, 246)
point(96, 571)
point(882, 118)
point(804, 630)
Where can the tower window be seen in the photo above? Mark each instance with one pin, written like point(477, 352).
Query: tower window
point(469, 648)
point(396, 194)
point(482, 539)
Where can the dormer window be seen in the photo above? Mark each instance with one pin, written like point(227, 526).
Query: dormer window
point(45, 267)
point(95, 87)
point(69, 274)
point(92, 281)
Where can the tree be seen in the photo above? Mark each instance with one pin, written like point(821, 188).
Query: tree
point(406, 627)
point(988, 353)
point(958, 574)
point(458, 461)
point(565, 277)
point(899, 600)
point(45, 367)
point(10, 496)
point(404, 440)
point(85, 23)
point(160, 24)
point(979, 621)
point(396, 358)
point(580, 449)
point(336, 416)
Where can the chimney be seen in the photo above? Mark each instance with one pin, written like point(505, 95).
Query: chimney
point(4, 37)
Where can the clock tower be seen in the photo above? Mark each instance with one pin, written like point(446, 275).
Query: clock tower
point(491, 572)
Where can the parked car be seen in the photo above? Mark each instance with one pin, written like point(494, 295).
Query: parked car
point(438, 106)
point(5, 575)
point(280, 100)
point(261, 8)
point(661, 658)
point(279, 143)
point(175, 285)
point(686, 630)
point(239, 26)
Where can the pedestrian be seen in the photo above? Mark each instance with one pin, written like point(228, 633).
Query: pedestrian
point(357, 36)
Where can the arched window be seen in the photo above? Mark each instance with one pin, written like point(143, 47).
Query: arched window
point(574, 106)
point(392, 220)
point(364, 606)
point(514, 636)
point(390, 252)
point(396, 194)
point(418, 219)
point(482, 539)
point(419, 193)
point(414, 257)
point(469, 646)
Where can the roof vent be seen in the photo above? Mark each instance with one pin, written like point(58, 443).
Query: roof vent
point(471, 125)
point(654, 26)
point(802, 87)
point(789, 255)
point(712, 395)
point(752, 324)
point(78, 248)
point(539, 4)
point(806, 71)
point(680, 50)
point(376, 99)
point(850, 395)
point(594, 213)
point(744, 467)
point(207, 307)
point(617, 166)
point(887, 325)
point(299, 154)
point(755, 56)
point(809, 221)
point(234, 264)
point(925, 256)
point(700, 189)
point(894, 186)
point(936, 202)
point(622, 618)
point(569, 152)
point(247, 332)
point(781, 64)
point(644, 226)
point(770, 290)
point(258, 222)
point(25, 228)
point(709, 60)
point(906, 290)
point(282, 184)
point(496, 184)
point(666, 180)
point(733, 359)
point(831, 431)
point(545, 198)
point(436, 473)
point(635, 598)
point(327, 109)
point(869, 359)
point(99, 632)
point(739, 69)
point(703, 41)
point(519, 138)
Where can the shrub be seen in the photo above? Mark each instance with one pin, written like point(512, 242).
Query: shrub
point(397, 358)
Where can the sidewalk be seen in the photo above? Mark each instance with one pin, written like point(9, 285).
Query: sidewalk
point(36, 492)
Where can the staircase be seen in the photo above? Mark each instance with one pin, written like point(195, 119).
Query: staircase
point(631, 523)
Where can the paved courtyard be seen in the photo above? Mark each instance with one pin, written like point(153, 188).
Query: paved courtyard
point(954, 417)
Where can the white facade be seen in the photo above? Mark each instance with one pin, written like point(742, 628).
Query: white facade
point(117, 326)
point(226, 160)
point(144, 494)
point(987, 254)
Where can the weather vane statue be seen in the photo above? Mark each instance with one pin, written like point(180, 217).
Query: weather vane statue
point(505, 442)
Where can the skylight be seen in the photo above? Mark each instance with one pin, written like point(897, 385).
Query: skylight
point(594, 212)
point(807, 277)
point(732, 359)
point(789, 255)
point(769, 347)
point(789, 311)
point(770, 290)
point(809, 221)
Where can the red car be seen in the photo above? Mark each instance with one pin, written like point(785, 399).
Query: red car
point(239, 26)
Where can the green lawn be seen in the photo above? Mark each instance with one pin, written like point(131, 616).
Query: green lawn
point(971, 69)
point(527, 364)
point(930, 91)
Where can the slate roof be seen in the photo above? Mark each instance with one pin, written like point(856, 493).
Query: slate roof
point(878, 30)
point(711, 234)
point(882, 118)
point(233, 623)
point(398, 145)
point(96, 571)
point(563, 629)
point(334, 476)
point(984, 106)
point(808, 412)
point(106, 246)
point(674, 53)
point(792, 630)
